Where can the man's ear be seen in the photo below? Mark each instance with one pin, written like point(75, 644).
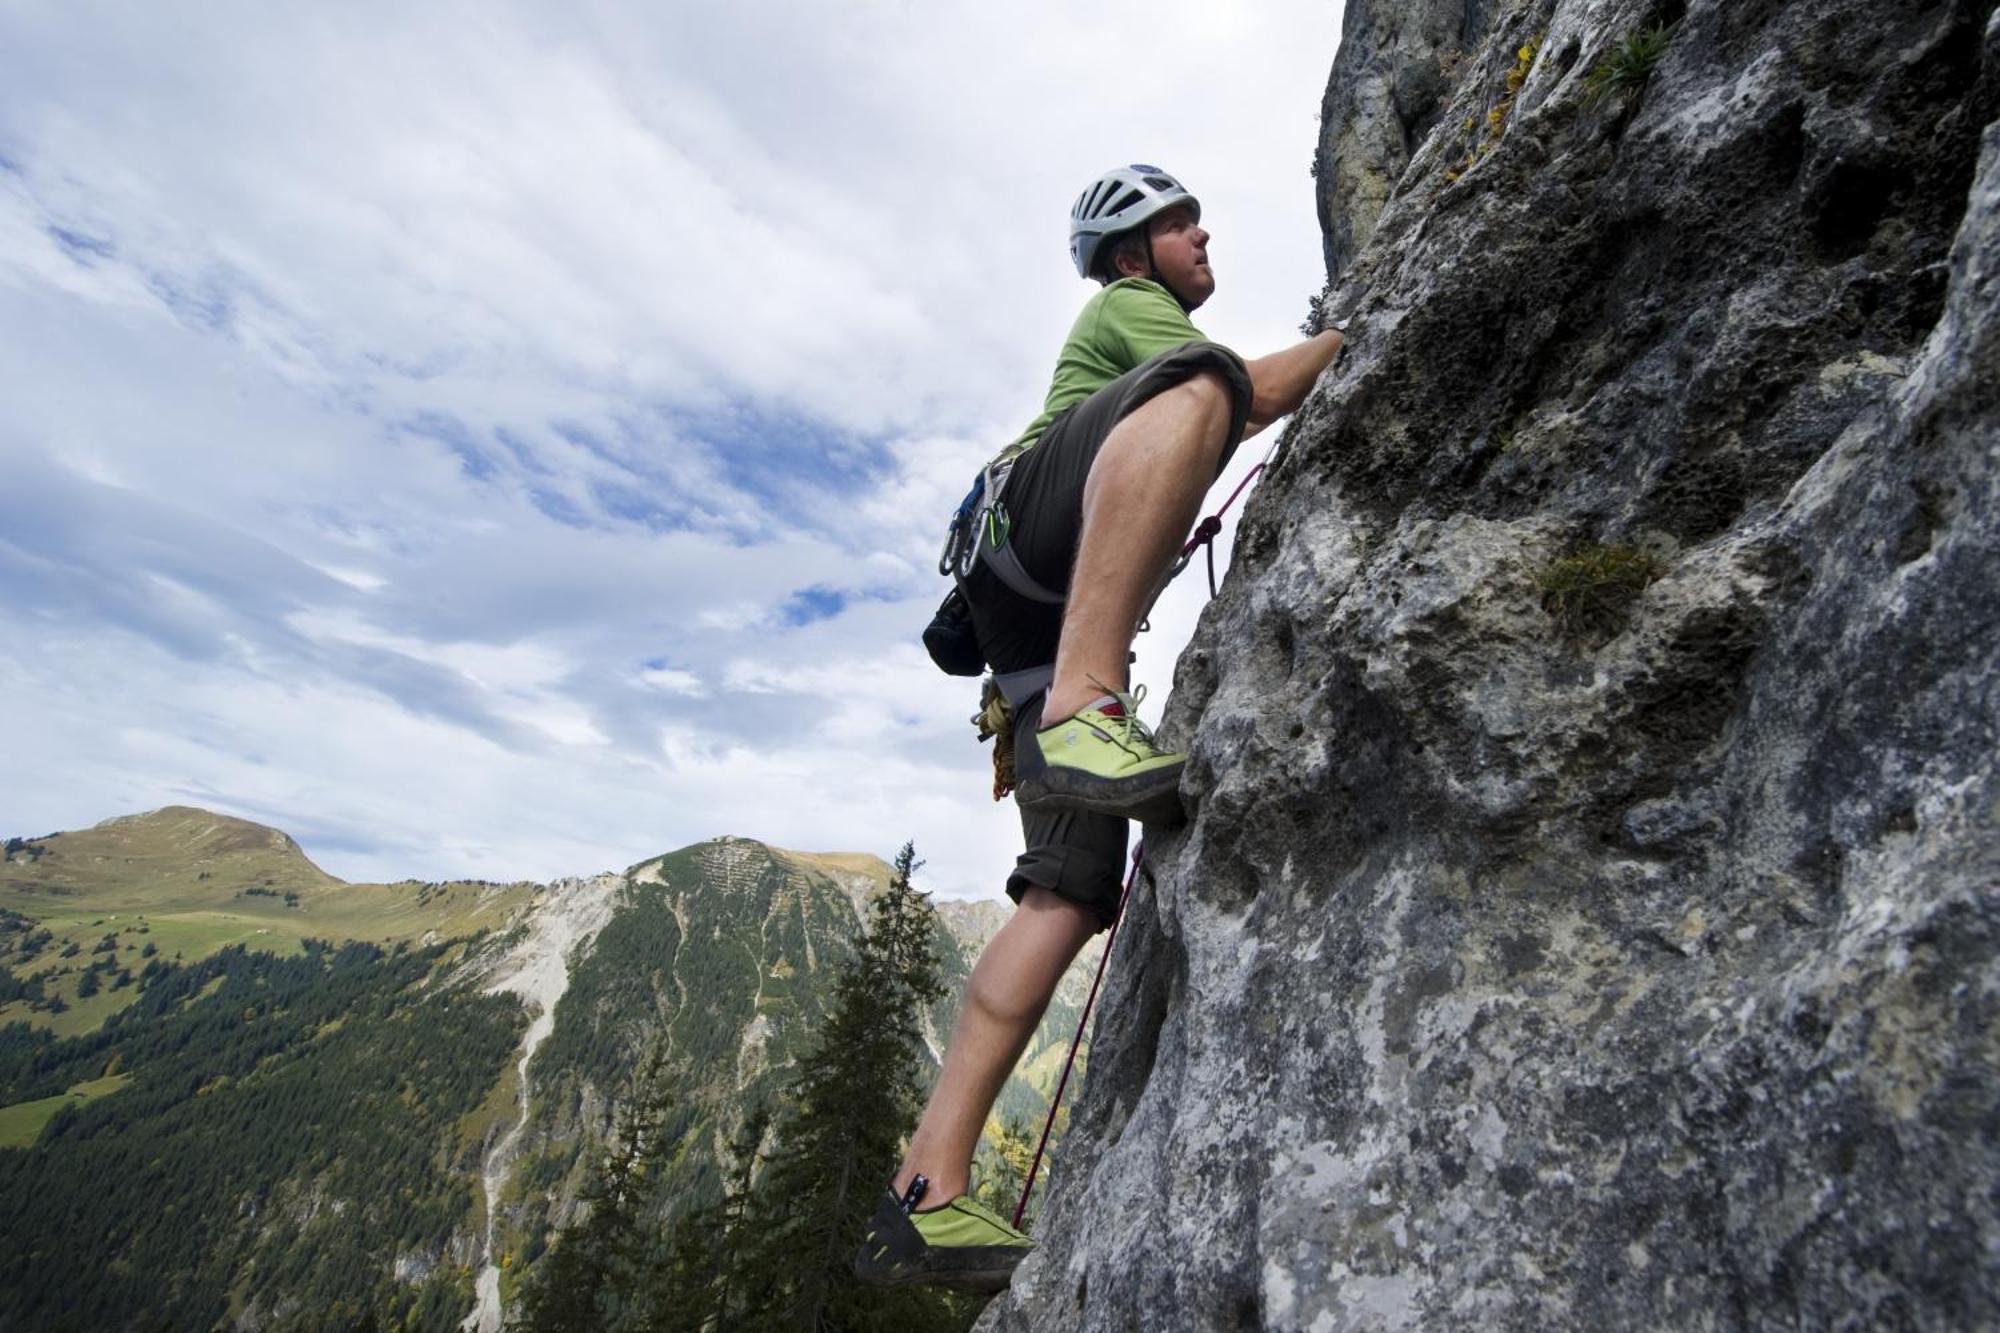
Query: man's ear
point(1130, 261)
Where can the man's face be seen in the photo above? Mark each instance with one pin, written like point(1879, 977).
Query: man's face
point(1180, 254)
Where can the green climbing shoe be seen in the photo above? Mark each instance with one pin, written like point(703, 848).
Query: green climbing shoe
point(960, 1245)
point(1102, 760)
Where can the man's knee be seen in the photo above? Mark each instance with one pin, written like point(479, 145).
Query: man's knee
point(1205, 397)
point(1205, 389)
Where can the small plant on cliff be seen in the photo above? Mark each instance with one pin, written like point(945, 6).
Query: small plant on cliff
point(1496, 116)
point(1625, 71)
point(1588, 591)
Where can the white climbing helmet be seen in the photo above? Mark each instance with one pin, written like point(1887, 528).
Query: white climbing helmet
point(1120, 200)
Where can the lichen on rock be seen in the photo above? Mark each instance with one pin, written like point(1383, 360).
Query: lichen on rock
point(1514, 977)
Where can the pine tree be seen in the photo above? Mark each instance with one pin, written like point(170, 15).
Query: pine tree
point(733, 1213)
point(853, 1105)
point(590, 1280)
point(696, 1287)
point(1006, 1160)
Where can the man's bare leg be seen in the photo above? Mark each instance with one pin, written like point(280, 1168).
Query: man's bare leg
point(1009, 988)
point(1139, 504)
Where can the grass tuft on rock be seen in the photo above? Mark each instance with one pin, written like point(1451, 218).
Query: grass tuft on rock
point(1625, 70)
point(1589, 591)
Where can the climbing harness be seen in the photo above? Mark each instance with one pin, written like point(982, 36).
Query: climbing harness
point(979, 530)
point(1055, 1103)
point(954, 647)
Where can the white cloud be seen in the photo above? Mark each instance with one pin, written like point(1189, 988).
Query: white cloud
point(423, 422)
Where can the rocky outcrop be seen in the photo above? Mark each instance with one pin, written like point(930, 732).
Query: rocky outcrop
point(1398, 61)
point(558, 928)
point(1588, 915)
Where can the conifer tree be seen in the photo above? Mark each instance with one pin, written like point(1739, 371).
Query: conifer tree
point(696, 1288)
point(1005, 1161)
point(854, 1103)
point(733, 1213)
point(590, 1278)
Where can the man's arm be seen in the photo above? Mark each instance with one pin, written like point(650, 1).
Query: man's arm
point(1280, 382)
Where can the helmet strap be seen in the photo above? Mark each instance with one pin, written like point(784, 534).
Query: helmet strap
point(1153, 271)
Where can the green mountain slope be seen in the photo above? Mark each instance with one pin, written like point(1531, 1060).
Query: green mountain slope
point(724, 952)
point(183, 883)
point(284, 1151)
point(290, 1095)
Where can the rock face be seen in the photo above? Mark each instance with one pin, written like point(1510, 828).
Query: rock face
point(1390, 83)
point(1589, 909)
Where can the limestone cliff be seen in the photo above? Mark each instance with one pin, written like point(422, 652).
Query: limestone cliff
point(1588, 913)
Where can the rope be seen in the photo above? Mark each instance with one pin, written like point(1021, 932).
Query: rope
point(1205, 533)
point(995, 719)
point(1021, 1209)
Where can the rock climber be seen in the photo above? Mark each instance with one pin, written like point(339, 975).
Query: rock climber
point(1100, 492)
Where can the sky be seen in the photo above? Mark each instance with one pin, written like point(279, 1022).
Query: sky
point(509, 441)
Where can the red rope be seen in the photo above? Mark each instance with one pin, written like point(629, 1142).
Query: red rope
point(1207, 530)
point(1205, 533)
point(1021, 1209)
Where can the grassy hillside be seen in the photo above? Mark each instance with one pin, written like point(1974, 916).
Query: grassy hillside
point(181, 884)
point(21, 1124)
point(180, 964)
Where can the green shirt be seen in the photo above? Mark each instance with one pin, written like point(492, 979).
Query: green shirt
point(1127, 324)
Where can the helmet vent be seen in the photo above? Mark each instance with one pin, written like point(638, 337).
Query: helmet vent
point(1159, 182)
point(1130, 199)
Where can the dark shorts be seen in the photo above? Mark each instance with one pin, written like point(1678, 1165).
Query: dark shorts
point(1077, 855)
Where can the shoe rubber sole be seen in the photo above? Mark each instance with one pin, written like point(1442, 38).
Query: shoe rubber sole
point(895, 1255)
point(1151, 798)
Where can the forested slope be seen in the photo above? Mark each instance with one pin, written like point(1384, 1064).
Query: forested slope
point(217, 1114)
point(288, 1149)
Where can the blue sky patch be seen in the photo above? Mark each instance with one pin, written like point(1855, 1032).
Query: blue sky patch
point(636, 506)
point(807, 605)
point(799, 467)
point(206, 308)
point(556, 505)
point(524, 453)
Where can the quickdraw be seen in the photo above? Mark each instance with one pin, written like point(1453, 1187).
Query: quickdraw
point(979, 530)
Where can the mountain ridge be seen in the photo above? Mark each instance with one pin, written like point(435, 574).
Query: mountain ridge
point(202, 880)
point(718, 955)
